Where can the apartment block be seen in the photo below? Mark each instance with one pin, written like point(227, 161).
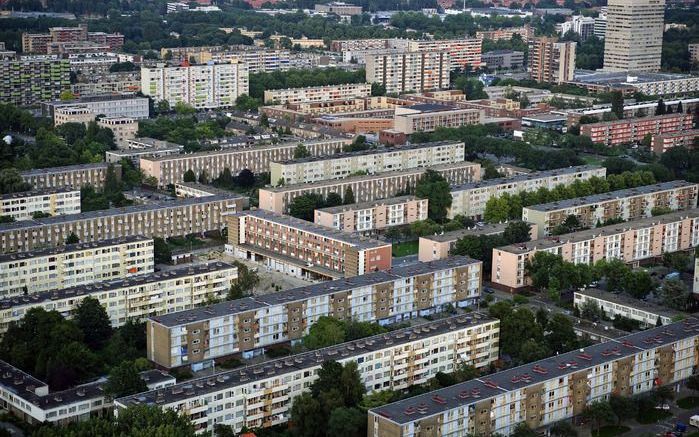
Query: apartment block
point(400, 72)
point(30, 399)
point(613, 305)
point(201, 86)
point(366, 188)
point(72, 176)
point(39, 42)
point(630, 204)
point(338, 8)
point(551, 61)
point(633, 242)
point(56, 201)
point(583, 26)
point(261, 395)
point(435, 247)
point(74, 264)
point(251, 324)
point(613, 133)
point(370, 217)
point(524, 32)
point(302, 248)
point(342, 165)
point(72, 114)
point(27, 81)
point(469, 199)
point(351, 45)
point(634, 35)
point(428, 117)
point(661, 143)
point(318, 93)
point(544, 392)
point(464, 53)
point(109, 105)
point(124, 129)
point(158, 219)
point(505, 59)
point(171, 169)
point(136, 297)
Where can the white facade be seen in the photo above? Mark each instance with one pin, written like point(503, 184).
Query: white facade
point(22, 205)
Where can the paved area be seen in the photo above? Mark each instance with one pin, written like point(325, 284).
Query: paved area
point(270, 280)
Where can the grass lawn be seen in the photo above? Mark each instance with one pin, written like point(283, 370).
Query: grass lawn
point(688, 403)
point(610, 431)
point(405, 248)
point(592, 159)
point(184, 242)
point(652, 416)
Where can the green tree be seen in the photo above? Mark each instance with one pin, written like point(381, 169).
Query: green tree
point(623, 407)
point(307, 416)
point(246, 281)
point(301, 151)
point(189, 176)
point(304, 206)
point(182, 108)
point(333, 199)
point(72, 239)
point(161, 251)
point(599, 412)
point(124, 380)
point(497, 210)
point(11, 181)
point(560, 335)
point(422, 228)
point(326, 331)
point(436, 189)
point(350, 422)
point(618, 104)
point(562, 429)
point(517, 232)
point(93, 321)
point(660, 109)
point(349, 196)
point(378, 89)
point(675, 294)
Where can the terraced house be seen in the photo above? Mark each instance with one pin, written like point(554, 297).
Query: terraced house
point(247, 326)
point(629, 204)
point(339, 166)
point(261, 395)
point(131, 298)
point(633, 242)
point(302, 248)
point(541, 393)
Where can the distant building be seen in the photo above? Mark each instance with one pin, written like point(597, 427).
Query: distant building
point(107, 105)
point(634, 37)
point(694, 52)
point(412, 71)
point(614, 305)
point(505, 59)
point(124, 129)
point(525, 33)
point(630, 130)
point(601, 23)
point(28, 81)
point(338, 8)
point(370, 217)
point(661, 143)
point(583, 26)
point(39, 42)
point(72, 114)
point(551, 61)
point(428, 117)
point(53, 201)
point(71, 176)
point(317, 93)
point(630, 82)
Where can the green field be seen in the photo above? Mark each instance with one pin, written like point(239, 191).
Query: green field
point(405, 248)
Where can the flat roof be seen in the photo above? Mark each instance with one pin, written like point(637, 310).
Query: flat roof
point(524, 177)
point(64, 169)
point(622, 77)
point(476, 390)
point(484, 229)
point(96, 98)
point(545, 117)
point(613, 195)
point(115, 284)
point(637, 119)
point(35, 193)
point(69, 248)
point(267, 369)
point(377, 151)
point(367, 205)
point(312, 290)
point(622, 299)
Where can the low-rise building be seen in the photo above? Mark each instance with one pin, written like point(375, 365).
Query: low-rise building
point(525, 32)
point(72, 114)
point(136, 297)
point(613, 133)
point(633, 242)
point(247, 326)
point(548, 120)
point(366, 188)
point(53, 201)
point(108, 105)
point(661, 143)
point(261, 395)
point(469, 199)
point(629, 204)
point(503, 59)
point(71, 176)
point(302, 248)
point(74, 264)
point(342, 165)
point(429, 117)
point(338, 8)
point(547, 391)
point(158, 219)
point(370, 217)
point(317, 93)
point(615, 305)
point(124, 129)
point(630, 82)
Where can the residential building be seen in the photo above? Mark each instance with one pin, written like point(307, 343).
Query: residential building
point(74, 264)
point(583, 26)
point(124, 129)
point(194, 189)
point(5, 53)
point(109, 83)
point(370, 217)
point(435, 247)
point(551, 61)
point(31, 401)
point(464, 53)
point(342, 165)
point(157, 219)
point(525, 33)
point(54, 201)
point(400, 72)
point(28, 81)
point(628, 204)
point(630, 130)
point(262, 394)
point(546, 120)
point(171, 169)
point(136, 297)
point(111, 105)
point(469, 199)
point(647, 314)
point(693, 52)
point(318, 93)
point(601, 23)
point(634, 37)
point(661, 143)
point(547, 391)
point(633, 242)
point(366, 188)
point(301, 248)
point(250, 325)
point(39, 42)
point(201, 86)
point(427, 117)
point(352, 45)
point(630, 82)
point(503, 59)
point(135, 154)
point(71, 176)
point(631, 110)
point(72, 114)
point(695, 287)
point(338, 8)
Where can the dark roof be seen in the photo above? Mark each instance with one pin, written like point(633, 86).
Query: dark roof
point(524, 177)
point(68, 248)
point(36, 193)
point(65, 169)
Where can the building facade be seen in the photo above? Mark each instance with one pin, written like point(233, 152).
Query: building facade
point(110, 105)
point(124, 129)
point(613, 133)
point(505, 59)
point(551, 61)
point(56, 201)
point(72, 176)
point(251, 324)
point(342, 165)
point(630, 204)
point(400, 72)
point(632, 242)
point(338, 8)
point(318, 93)
point(38, 43)
point(429, 117)
point(74, 264)
point(28, 81)
point(72, 114)
point(464, 53)
point(634, 35)
point(661, 143)
point(370, 217)
point(524, 32)
point(613, 305)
